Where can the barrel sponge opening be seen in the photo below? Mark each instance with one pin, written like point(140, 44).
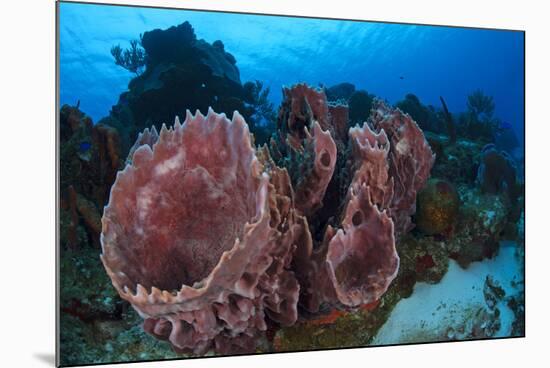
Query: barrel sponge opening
point(181, 203)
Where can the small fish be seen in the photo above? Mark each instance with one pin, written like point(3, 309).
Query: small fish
point(505, 125)
point(85, 146)
point(401, 77)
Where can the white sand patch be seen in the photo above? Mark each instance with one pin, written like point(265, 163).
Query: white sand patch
point(444, 309)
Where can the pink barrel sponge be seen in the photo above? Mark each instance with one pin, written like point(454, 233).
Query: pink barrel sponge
point(190, 240)
point(410, 159)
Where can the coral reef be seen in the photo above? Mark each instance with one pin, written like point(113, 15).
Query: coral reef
point(506, 139)
point(354, 265)
point(96, 325)
point(319, 220)
point(272, 231)
point(497, 173)
point(263, 242)
point(412, 106)
point(304, 145)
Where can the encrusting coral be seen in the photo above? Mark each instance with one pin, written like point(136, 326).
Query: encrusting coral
point(437, 208)
point(210, 239)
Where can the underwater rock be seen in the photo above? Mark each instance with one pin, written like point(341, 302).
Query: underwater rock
point(517, 304)
point(437, 208)
point(423, 259)
point(360, 105)
point(497, 172)
point(216, 299)
point(178, 44)
point(457, 163)
point(481, 221)
point(176, 58)
point(341, 91)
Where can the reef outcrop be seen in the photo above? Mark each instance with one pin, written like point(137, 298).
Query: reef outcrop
point(175, 57)
point(211, 239)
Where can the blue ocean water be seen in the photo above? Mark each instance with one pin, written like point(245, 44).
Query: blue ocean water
point(389, 60)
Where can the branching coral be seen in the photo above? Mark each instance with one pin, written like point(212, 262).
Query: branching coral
point(480, 104)
point(132, 59)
